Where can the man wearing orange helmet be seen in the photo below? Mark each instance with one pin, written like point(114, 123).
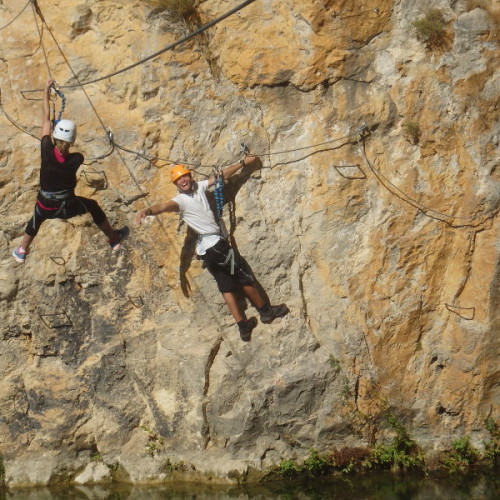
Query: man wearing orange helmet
point(230, 270)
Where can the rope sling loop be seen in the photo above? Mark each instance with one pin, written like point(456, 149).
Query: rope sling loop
point(219, 184)
point(218, 191)
point(219, 208)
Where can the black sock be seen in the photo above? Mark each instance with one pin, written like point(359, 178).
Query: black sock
point(242, 323)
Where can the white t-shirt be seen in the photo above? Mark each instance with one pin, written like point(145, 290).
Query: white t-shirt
point(197, 214)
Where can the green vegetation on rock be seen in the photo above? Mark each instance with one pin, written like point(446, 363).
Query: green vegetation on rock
point(181, 8)
point(431, 29)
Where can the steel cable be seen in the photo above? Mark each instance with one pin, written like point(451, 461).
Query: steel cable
point(12, 20)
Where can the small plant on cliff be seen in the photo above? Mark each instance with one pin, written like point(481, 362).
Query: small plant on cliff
point(96, 457)
point(180, 466)
point(334, 364)
point(431, 29)
point(155, 442)
point(288, 469)
point(317, 464)
point(180, 8)
point(492, 447)
point(413, 132)
point(401, 453)
point(461, 456)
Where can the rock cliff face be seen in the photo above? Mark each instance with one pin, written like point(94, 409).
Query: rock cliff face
point(374, 217)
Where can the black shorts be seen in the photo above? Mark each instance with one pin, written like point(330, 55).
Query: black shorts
point(74, 206)
point(214, 260)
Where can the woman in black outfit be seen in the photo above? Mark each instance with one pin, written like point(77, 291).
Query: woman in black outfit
point(56, 197)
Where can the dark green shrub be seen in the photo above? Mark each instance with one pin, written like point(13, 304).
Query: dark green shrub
point(288, 469)
point(318, 465)
point(401, 453)
point(492, 447)
point(461, 456)
point(431, 29)
point(315, 464)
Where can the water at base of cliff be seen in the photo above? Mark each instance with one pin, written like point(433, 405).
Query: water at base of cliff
point(370, 487)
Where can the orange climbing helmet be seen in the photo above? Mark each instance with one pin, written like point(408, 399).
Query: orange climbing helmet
point(178, 171)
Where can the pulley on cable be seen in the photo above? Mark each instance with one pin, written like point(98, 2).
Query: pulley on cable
point(55, 91)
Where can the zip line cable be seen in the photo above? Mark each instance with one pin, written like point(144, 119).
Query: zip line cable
point(12, 20)
point(25, 130)
point(37, 10)
point(167, 161)
point(155, 54)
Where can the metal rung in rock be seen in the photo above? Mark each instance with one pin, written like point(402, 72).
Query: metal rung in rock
point(467, 313)
point(58, 260)
point(93, 182)
point(350, 171)
point(56, 320)
point(137, 302)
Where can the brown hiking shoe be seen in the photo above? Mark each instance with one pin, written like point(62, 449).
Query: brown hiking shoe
point(246, 328)
point(274, 312)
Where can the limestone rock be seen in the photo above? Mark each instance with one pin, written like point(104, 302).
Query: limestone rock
point(94, 473)
point(8, 282)
point(374, 217)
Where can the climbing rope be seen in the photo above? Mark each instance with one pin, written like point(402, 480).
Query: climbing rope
point(113, 143)
point(218, 191)
point(154, 55)
point(23, 129)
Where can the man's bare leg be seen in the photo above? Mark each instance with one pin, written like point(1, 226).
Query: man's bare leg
point(254, 296)
point(232, 304)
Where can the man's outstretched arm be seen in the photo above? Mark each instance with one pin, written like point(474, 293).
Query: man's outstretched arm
point(229, 171)
point(158, 208)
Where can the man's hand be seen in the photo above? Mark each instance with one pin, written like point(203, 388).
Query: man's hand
point(228, 172)
point(156, 209)
point(140, 216)
point(48, 85)
point(249, 160)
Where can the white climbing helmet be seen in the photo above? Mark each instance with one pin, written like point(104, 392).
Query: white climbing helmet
point(65, 130)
